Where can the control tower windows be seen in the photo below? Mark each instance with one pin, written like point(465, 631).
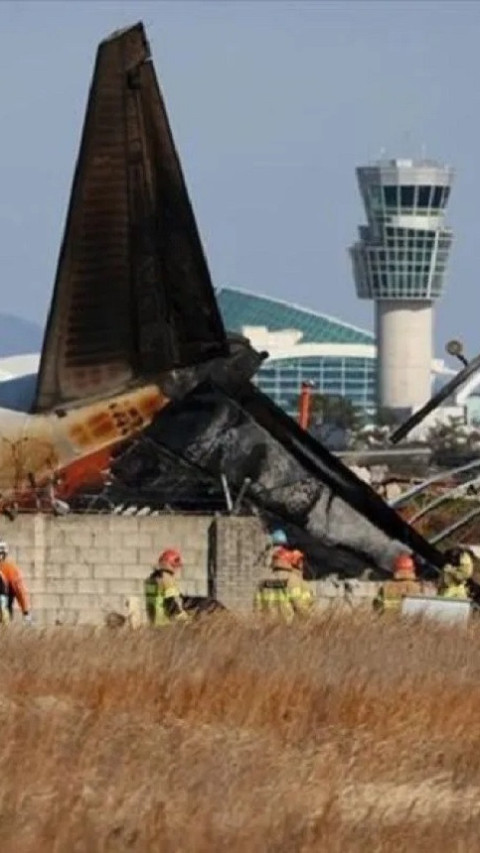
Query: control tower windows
point(390, 196)
point(437, 196)
point(423, 197)
point(407, 196)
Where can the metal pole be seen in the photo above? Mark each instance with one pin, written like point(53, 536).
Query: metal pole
point(441, 498)
point(241, 495)
point(226, 492)
point(437, 478)
point(461, 522)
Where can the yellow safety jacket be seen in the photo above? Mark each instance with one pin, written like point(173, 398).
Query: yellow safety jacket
point(454, 590)
point(390, 594)
point(163, 600)
point(284, 595)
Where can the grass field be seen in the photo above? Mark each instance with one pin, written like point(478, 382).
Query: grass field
point(347, 734)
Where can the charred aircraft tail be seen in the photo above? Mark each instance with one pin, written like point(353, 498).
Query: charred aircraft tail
point(132, 295)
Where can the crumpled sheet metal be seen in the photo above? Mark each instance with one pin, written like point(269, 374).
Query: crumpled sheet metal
point(214, 433)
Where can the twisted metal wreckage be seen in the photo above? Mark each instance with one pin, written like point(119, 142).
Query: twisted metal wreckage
point(138, 376)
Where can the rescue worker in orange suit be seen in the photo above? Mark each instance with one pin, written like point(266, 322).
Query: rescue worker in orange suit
point(284, 594)
point(163, 600)
point(14, 588)
point(403, 583)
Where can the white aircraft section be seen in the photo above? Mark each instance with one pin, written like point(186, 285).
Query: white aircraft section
point(18, 381)
point(19, 365)
point(442, 609)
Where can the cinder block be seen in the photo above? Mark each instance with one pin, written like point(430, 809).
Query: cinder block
point(56, 555)
point(79, 602)
point(147, 557)
point(92, 586)
point(112, 601)
point(96, 555)
point(125, 587)
point(139, 540)
point(121, 556)
point(101, 571)
point(35, 585)
point(46, 600)
point(24, 553)
point(91, 617)
point(83, 539)
point(136, 571)
point(78, 570)
point(61, 586)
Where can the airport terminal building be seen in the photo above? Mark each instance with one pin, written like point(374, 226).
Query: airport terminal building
point(305, 345)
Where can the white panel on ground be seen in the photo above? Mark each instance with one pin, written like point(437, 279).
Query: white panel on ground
point(441, 609)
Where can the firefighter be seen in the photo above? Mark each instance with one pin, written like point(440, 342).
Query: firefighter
point(456, 574)
point(404, 582)
point(163, 600)
point(14, 588)
point(284, 593)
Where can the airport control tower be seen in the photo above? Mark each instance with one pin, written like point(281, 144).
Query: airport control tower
point(400, 261)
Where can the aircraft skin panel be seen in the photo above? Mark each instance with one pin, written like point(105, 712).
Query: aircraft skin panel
point(41, 445)
point(133, 295)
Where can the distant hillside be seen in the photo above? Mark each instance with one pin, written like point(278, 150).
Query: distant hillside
point(18, 336)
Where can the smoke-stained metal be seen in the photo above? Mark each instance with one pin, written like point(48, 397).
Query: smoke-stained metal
point(133, 294)
point(292, 475)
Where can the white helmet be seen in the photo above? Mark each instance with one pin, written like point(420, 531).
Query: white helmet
point(3, 548)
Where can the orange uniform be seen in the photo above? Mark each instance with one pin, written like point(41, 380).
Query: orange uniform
point(15, 586)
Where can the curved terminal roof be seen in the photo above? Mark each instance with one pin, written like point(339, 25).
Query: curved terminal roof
point(19, 365)
point(240, 309)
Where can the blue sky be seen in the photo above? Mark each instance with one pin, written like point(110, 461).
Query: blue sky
point(272, 104)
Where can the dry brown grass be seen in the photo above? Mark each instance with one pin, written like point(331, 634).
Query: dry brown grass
point(347, 734)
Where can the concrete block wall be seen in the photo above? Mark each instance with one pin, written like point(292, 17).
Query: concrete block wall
point(239, 546)
point(79, 567)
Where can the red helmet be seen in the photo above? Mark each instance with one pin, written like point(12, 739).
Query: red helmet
point(286, 558)
point(297, 559)
point(170, 560)
point(403, 567)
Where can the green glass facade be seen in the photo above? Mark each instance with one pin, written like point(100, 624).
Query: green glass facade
point(353, 377)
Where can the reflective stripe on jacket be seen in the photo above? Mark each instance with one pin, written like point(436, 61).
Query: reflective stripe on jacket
point(284, 595)
point(390, 594)
point(163, 600)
